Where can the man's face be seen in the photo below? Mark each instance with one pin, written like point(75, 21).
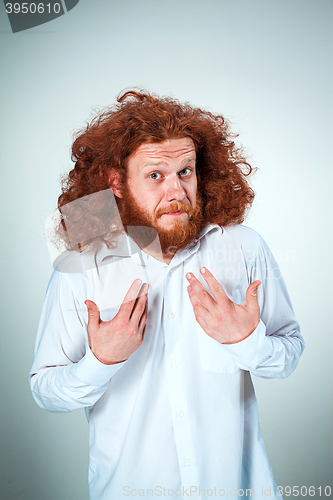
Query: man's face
point(161, 191)
point(163, 181)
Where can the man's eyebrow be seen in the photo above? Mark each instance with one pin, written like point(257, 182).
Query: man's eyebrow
point(188, 160)
point(162, 163)
point(152, 164)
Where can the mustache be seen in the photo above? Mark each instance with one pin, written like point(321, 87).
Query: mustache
point(174, 207)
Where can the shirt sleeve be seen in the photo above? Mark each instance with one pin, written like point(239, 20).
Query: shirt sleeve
point(65, 374)
point(274, 348)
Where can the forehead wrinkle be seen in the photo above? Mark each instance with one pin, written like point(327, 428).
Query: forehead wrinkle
point(166, 153)
point(162, 154)
point(164, 164)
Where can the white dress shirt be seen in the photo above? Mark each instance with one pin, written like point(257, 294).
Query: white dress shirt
point(179, 418)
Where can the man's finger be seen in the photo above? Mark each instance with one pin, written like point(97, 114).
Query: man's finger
point(140, 304)
point(130, 298)
point(214, 285)
point(198, 308)
point(93, 315)
point(205, 297)
point(252, 293)
point(143, 318)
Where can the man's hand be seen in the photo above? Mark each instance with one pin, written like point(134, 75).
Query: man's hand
point(116, 340)
point(222, 319)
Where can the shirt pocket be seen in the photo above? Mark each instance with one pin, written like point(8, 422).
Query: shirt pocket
point(213, 356)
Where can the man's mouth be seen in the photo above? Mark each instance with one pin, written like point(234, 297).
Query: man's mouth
point(175, 209)
point(178, 212)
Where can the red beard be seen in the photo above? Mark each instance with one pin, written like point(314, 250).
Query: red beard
point(173, 239)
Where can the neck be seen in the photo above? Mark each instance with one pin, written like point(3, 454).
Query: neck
point(158, 254)
point(148, 240)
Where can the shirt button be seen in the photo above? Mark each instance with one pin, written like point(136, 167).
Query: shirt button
point(171, 316)
point(181, 413)
point(175, 364)
point(187, 462)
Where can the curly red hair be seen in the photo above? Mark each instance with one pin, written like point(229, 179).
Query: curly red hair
point(138, 117)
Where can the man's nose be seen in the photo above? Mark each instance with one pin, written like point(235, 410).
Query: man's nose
point(174, 189)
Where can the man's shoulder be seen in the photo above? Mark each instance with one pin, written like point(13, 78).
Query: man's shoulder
point(242, 232)
point(239, 235)
point(69, 277)
point(234, 240)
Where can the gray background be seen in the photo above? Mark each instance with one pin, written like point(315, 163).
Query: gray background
point(264, 64)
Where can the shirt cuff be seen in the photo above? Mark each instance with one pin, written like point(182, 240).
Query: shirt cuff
point(92, 372)
point(254, 350)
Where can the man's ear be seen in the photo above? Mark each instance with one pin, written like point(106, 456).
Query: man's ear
point(115, 182)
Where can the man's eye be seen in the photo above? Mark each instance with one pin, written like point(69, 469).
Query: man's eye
point(185, 171)
point(155, 175)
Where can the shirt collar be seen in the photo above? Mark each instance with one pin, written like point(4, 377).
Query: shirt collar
point(123, 248)
point(203, 232)
point(195, 245)
point(74, 262)
point(126, 247)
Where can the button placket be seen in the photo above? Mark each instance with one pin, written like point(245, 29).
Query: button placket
point(176, 381)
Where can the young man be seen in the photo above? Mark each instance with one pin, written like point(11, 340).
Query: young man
point(160, 318)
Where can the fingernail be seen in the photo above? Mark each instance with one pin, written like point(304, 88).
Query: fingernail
point(189, 288)
point(189, 276)
point(138, 281)
point(88, 306)
point(203, 270)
